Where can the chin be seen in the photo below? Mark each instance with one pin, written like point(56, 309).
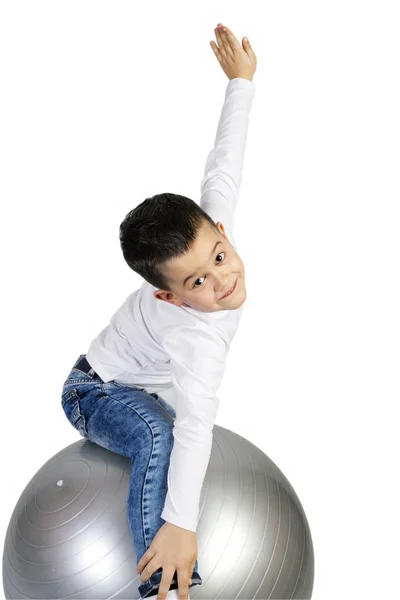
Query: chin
point(238, 301)
point(242, 298)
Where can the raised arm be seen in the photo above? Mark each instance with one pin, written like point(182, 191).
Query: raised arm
point(219, 188)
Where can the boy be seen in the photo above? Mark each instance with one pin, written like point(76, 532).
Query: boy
point(174, 331)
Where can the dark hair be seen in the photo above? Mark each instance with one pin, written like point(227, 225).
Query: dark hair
point(162, 227)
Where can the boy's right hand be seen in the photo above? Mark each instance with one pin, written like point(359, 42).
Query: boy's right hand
point(174, 549)
point(235, 60)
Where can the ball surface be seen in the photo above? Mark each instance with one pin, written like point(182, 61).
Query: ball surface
point(68, 536)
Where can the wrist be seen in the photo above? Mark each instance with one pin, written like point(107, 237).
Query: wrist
point(248, 77)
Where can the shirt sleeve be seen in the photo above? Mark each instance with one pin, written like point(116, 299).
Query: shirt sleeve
point(219, 188)
point(197, 361)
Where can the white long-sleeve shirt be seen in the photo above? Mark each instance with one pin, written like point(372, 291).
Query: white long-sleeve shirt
point(165, 348)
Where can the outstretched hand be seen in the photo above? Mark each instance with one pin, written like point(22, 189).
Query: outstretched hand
point(174, 549)
point(236, 59)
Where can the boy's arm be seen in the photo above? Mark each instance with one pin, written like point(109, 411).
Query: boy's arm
point(197, 361)
point(197, 357)
point(219, 187)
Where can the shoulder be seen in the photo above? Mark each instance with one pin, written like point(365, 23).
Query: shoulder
point(191, 340)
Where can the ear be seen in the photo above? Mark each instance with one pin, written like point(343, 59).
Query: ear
point(222, 230)
point(167, 297)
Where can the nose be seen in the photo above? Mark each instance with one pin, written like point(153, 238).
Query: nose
point(223, 283)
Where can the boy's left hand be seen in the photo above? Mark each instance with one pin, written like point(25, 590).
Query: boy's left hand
point(173, 549)
point(236, 60)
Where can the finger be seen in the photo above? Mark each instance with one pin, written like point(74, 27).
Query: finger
point(247, 47)
point(147, 556)
point(191, 570)
point(165, 583)
point(149, 569)
point(216, 52)
point(145, 575)
point(183, 583)
point(142, 562)
point(221, 47)
point(228, 46)
point(231, 39)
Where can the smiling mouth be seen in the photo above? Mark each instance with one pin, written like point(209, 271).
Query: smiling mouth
point(230, 291)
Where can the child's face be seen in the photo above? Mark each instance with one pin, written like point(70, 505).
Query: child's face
point(214, 273)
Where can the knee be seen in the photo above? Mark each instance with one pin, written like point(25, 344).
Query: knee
point(158, 434)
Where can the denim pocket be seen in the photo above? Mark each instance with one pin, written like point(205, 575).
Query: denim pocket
point(72, 409)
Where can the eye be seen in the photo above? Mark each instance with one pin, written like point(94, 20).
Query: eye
point(194, 284)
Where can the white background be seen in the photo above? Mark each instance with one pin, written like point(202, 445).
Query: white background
point(106, 103)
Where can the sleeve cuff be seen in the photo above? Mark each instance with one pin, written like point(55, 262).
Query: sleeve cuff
point(241, 83)
point(184, 523)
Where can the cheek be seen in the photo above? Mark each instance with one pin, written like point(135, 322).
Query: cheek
point(236, 259)
point(238, 265)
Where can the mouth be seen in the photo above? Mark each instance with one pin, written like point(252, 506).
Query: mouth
point(230, 291)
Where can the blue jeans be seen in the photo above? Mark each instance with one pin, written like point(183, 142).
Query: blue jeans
point(132, 422)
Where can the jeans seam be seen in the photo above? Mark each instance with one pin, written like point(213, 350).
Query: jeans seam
point(154, 443)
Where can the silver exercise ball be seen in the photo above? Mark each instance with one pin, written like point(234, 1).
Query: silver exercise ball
point(68, 536)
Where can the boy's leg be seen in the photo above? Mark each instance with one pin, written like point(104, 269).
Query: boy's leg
point(136, 424)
